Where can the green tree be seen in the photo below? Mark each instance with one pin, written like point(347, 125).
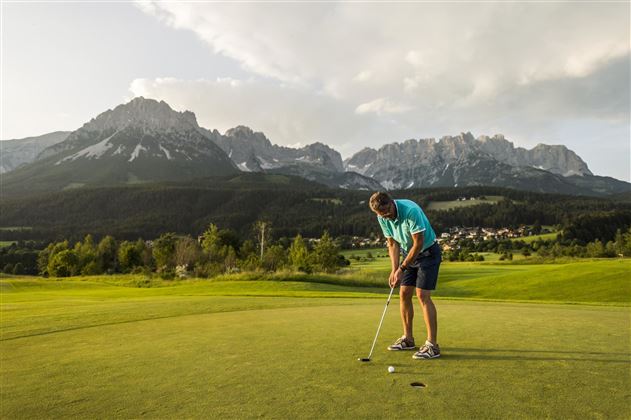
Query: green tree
point(63, 264)
point(86, 252)
point(298, 254)
point(324, 254)
point(543, 251)
point(275, 257)
point(247, 248)
point(106, 255)
point(556, 250)
point(230, 238)
point(595, 249)
point(619, 243)
point(187, 252)
point(43, 258)
point(146, 254)
point(230, 258)
point(18, 268)
point(626, 248)
point(164, 252)
point(129, 256)
point(610, 250)
point(536, 228)
point(211, 243)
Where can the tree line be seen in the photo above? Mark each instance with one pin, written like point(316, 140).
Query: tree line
point(216, 251)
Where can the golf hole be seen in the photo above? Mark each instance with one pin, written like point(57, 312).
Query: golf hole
point(417, 385)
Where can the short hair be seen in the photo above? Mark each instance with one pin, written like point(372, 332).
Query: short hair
point(379, 201)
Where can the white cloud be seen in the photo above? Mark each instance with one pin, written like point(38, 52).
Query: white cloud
point(361, 74)
point(381, 106)
point(417, 51)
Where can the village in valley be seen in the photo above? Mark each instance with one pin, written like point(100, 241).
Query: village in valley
point(450, 240)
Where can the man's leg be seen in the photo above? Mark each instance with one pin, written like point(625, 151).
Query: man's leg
point(407, 309)
point(429, 314)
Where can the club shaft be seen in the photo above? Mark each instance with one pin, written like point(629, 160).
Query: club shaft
point(381, 322)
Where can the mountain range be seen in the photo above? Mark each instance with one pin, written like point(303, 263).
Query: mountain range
point(145, 141)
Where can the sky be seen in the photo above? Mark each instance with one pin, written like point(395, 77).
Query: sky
point(348, 74)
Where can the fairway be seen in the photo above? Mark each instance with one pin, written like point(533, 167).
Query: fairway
point(91, 349)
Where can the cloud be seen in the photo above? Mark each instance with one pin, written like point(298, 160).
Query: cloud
point(363, 74)
point(381, 106)
point(450, 54)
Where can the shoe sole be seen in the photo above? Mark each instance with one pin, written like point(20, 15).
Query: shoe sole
point(402, 349)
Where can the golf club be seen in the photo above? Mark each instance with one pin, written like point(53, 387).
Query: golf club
point(367, 359)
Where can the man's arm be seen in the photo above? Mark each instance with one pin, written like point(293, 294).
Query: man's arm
point(417, 247)
point(394, 251)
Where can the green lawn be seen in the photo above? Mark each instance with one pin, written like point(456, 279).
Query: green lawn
point(284, 346)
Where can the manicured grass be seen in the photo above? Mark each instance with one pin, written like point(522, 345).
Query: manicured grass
point(581, 280)
point(585, 282)
point(179, 356)
point(286, 345)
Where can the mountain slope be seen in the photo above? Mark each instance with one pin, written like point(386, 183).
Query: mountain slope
point(22, 151)
point(138, 142)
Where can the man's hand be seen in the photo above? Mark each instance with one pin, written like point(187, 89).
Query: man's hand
point(395, 277)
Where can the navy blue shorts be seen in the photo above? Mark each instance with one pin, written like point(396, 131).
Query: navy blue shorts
point(423, 272)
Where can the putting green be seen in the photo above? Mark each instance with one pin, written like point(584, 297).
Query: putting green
point(107, 352)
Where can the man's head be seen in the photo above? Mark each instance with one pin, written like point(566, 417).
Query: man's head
point(383, 205)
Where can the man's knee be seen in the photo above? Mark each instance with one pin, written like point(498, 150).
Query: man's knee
point(406, 292)
point(424, 296)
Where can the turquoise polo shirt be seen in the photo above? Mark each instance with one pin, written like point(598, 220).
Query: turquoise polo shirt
point(410, 219)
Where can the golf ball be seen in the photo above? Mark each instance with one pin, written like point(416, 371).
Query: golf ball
point(391, 369)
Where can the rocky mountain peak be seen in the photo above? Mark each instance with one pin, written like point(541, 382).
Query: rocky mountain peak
point(242, 133)
point(147, 114)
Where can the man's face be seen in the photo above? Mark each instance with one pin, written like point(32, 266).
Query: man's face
point(389, 212)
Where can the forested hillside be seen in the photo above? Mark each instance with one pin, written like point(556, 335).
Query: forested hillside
point(292, 205)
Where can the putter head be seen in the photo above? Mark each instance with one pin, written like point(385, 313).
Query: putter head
point(364, 359)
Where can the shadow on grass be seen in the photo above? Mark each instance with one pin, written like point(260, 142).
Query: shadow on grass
point(457, 353)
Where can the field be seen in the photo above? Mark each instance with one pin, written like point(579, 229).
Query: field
point(447, 205)
point(544, 237)
point(286, 345)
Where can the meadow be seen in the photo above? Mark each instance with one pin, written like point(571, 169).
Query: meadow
point(519, 340)
point(454, 204)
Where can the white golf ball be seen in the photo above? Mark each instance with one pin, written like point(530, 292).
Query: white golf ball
point(391, 369)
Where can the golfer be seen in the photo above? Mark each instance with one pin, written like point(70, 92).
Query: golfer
point(408, 231)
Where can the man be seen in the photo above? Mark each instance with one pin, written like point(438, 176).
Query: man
point(408, 231)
